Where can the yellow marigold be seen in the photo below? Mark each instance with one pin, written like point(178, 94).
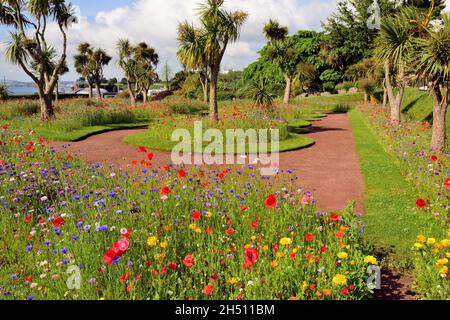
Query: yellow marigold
point(447, 255)
point(340, 280)
point(274, 264)
point(421, 238)
point(443, 271)
point(326, 292)
point(209, 214)
point(294, 250)
point(198, 230)
point(280, 254)
point(293, 298)
point(285, 241)
point(418, 245)
point(431, 241)
point(435, 251)
point(192, 226)
point(265, 248)
point(342, 255)
point(151, 241)
point(247, 246)
point(352, 262)
point(304, 286)
point(442, 262)
point(370, 260)
point(232, 280)
point(164, 244)
point(445, 242)
point(318, 294)
point(253, 238)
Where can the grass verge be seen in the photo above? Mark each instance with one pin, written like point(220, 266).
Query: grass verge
point(392, 221)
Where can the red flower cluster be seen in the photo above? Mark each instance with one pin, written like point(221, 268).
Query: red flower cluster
point(447, 183)
point(165, 191)
point(222, 174)
point(116, 251)
point(58, 222)
point(421, 203)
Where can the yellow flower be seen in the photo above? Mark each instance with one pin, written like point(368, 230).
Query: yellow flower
point(294, 250)
point(339, 280)
point(209, 214)
point(280, 254)
point(431, 241)
point(435, 251)
point(342, 255)
point(151, 241)
point(265, 248)
point(421, 238)
point(352, 262)
point(274, 264)
point(285, 241)
point(164, 244)
point(253, 238)
point(304, 286)
point(192, 226)
point(445, 243)
point(293, 298)
point(370, 260)
point(443, 271)
point(442, 262)
point(418, 245)
point(318, 294)
point(198, 230)
point(447, 255)
point(232, 280)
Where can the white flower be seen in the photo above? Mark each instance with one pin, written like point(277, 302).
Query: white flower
point(44, 198)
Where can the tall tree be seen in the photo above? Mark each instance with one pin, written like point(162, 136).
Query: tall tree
point(166, 74)
point(29, 46)
point(138, 63)
point(192, 54)
point(434, 65)
point(219, 27)
point(89, 62)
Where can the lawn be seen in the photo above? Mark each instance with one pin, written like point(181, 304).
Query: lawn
point(392, 220)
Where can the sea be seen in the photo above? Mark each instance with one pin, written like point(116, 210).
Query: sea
point(23, 90)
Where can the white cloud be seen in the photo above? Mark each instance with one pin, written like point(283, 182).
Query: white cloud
point(155, 22)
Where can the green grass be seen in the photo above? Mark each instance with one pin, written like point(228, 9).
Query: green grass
point(419, 106)
point(293, 142)
point(392, 221)
point(85, 132)
point(328, 103)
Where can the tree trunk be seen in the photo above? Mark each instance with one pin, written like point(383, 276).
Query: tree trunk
point(366, 97)
point(57, 93)
point(99, 92)
point(385, 97)
point(91, 91)
point(395, 101)
point(145, 95)
point(47, 111)
point(440, 102)
point(132, 96)
point(213, 106)
point(287, 91)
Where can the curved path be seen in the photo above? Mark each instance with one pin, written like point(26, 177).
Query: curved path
point(330, 169)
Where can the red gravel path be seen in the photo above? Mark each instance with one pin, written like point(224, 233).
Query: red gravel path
point(330, 169)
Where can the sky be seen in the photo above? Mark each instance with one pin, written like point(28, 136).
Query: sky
point(102, 23)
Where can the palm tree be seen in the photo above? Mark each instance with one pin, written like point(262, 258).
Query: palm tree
point(192, 54)
point(392, 45)
point(28, 46)
point(262, 94)
point(146, 62)
point(434, 64)
point(219, 27)
point(89, 62)
point(281, 52)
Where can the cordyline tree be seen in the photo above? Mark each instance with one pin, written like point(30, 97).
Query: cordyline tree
point(218, 28)
point(139, 64)
point(29, 48)
point(89, 62)
point(192, 54)
point(281, 51)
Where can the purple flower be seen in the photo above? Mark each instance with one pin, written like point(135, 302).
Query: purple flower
point(28, 248)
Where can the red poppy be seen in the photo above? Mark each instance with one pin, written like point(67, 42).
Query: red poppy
point(165, 190)
point(345, 291)
point(142, 149)
point(309, 237)
point(271, 201)
point(334, 217)
point(433, 158)
point(188, 261)
point(181, 173)
point(134, 162)
point(5, 127)
point(339, 234)
point(254, 225)
point(58, 222)
point(323, 248)
point(173, 266)
point(251, 257)
point(214, 277)
point(150, 156)
point(124, 277)
point(208, 230)
point(148, 263)
point(196, 215)
point(421, 203)
point(109, 256)
point(28, 218)
point(208, 290)
point(243, 208)
point(447, 183)
point(166, 167)
point(229, 232)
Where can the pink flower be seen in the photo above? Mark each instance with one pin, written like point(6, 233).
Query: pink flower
point(122, 244)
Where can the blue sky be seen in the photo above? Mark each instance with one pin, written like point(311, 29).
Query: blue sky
point(103, 23)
